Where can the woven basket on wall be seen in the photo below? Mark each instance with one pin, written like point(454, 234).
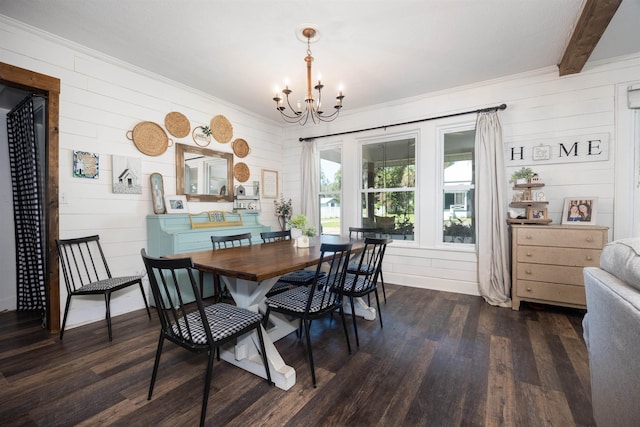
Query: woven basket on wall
point(177, 124)
point(221, 129)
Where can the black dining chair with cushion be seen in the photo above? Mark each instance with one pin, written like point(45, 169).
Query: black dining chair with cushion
point(358, 284)
point(86, 272)
point(224, 242)
point(321, 299)
point(360, 233)
point(289, 280)
point(195, 326)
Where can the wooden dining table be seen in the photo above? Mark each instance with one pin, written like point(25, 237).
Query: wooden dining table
point(250, 272)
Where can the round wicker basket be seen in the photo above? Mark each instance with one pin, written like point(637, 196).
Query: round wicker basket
point(241, 172)
point(241, 148)
point(177, 124)
point(221, 129)
point(149, 138)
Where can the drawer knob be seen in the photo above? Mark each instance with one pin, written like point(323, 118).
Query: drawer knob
point(589, 239)
point(527, 271)
point(528, 236)
point(528, 289)
point(589, 258)
point(529, 254)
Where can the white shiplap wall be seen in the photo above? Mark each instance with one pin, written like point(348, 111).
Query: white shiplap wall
point(541, 106)
point(100, 100)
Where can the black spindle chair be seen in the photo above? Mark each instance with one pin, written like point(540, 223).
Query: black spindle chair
point(86, 272)
point(224, 242)
point(361, 284)
point(360, 233)
point(320, 299)
point(195, 326)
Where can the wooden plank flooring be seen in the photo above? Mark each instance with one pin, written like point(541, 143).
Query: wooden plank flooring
point(442, 359)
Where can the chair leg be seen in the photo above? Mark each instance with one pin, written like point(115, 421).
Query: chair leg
point(309, 351)
point(263, 350)
point(355, 324)
point(155, 366)
point(384, 293)
point(144, 298)
point(207, 384)
point(64, 319)
point(107, 300)
point(378, 303)
point(344, 326)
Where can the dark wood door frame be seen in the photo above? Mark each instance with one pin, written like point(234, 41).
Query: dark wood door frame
point(49, 86)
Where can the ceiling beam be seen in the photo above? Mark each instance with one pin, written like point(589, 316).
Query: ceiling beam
point(594, 19)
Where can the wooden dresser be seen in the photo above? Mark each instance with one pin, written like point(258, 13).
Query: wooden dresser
point(547, 262)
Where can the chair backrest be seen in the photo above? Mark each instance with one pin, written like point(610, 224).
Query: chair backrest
point(181, 323)
point(222, 242)
point(359, 233)
point(326, 291)
point(82, 261)
point(370, 263)
point(272, 236)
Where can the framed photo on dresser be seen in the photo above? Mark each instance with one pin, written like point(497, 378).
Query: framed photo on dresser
point(580, 211)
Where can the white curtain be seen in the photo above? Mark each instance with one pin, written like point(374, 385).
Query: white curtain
point(310, 183)
point(492, 233)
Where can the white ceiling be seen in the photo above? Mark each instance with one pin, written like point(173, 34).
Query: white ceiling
point(378, 50)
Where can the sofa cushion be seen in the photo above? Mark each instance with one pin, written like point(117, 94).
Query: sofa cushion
point(622, 259)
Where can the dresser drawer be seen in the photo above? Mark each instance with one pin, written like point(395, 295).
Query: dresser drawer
point(561, 237)
point(559, 256)
point(552, 292)
point(550, 273)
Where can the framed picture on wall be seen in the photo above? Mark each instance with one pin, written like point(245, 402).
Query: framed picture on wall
point(580, 210)
point(157, 193)
point(176, 204)
point(269, 184)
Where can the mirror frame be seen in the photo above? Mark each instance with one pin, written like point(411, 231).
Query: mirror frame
point(183, 148)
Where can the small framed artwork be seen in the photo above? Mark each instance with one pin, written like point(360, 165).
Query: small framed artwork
point(126, 175)
point(580, 210)
point(86, 165)
point(269, 184)
point(157, 193)
point(541, 152)
point(537, 213)
point(176, 204)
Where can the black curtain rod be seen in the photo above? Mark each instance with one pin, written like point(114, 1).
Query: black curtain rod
point(481, 110)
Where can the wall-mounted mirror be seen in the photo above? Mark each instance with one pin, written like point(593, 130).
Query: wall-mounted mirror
point(204, 175)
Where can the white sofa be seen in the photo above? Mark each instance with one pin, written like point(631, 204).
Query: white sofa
point(612, 334)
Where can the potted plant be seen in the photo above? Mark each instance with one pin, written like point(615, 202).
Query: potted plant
point(283, 211)
point(297, 223)
point(522, 175)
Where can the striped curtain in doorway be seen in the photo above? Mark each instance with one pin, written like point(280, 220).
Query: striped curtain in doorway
point(28, 205)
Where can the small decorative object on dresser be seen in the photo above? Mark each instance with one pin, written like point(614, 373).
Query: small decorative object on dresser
point(157, 193)
point(176, 204)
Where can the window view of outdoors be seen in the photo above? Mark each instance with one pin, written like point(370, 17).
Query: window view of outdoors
point(388, 187)
point(330, 190)
point(458, 191)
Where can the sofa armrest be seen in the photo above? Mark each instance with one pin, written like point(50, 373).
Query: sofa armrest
point(613, 341)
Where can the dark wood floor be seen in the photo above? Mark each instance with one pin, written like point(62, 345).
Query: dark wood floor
point(442, 359)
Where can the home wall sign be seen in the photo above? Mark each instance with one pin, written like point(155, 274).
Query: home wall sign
point(586, 148)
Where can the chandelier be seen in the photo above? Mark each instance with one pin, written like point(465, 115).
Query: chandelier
point(312, 107)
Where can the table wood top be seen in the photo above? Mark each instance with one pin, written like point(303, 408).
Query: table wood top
point(262, 261)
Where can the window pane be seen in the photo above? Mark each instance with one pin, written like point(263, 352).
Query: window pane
point(330, 190)
point(389, 164)
point(392, 211)
point(458, 191)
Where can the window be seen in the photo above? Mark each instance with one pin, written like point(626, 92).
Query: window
point(458, 187)
point(388, 187)
point(330, 190)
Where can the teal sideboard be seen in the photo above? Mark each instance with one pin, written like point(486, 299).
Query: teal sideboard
point(170, 234)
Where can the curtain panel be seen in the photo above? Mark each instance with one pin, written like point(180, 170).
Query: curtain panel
point(28, 205)
point(492, 245)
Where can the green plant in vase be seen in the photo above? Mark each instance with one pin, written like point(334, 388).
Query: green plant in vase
point(522, 175)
